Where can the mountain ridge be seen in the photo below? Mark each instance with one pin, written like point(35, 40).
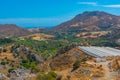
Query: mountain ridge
point(88, 21)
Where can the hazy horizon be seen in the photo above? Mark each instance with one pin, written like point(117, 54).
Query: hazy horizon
point(29, 13)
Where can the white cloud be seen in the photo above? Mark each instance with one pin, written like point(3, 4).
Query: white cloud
point(96, 4)
point(88, 3)
point(112, 6)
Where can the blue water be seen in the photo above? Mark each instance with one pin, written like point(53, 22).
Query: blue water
point(28, 27)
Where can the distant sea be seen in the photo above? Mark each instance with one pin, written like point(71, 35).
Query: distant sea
point(28, 27)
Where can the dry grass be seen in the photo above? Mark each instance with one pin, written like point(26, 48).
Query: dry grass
point(37, 37)
point(92, 34)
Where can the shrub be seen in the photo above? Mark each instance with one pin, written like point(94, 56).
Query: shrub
point(10, 70)
point(26, 65)
point(52, 74)
point(24, 61)
point(3, 63)
point(78, 62)
point(59, 77)
point(76, 65)
point(4, 50)
point(0, 50)
point(83, 60)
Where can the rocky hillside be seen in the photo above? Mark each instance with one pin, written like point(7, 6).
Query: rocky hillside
point(89, 21)
point(70, 63)
point(8, 30)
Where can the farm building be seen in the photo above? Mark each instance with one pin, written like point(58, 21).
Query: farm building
point(100, 52)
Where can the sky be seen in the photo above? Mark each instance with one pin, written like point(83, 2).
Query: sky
point(48, 13)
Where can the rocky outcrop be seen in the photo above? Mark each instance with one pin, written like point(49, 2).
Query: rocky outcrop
point(21, 50)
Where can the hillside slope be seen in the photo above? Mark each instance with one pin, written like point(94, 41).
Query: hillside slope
point(8, 30)
point(87, 21)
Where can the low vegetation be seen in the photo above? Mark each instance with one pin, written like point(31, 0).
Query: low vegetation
point(48, 76)
point(5, 41)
